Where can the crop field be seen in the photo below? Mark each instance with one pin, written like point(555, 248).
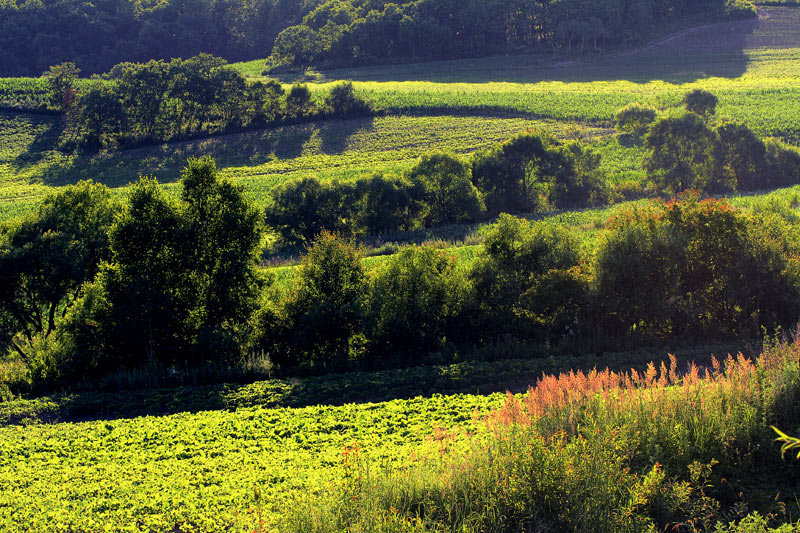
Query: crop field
point(207, 470)
point(239, 464)
point(338, 149)
point(458, 106)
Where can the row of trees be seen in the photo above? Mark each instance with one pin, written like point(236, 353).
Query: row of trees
point(94, 285)
point(691, 148)
point(528, 173)
point(352, 32)
point(98, 34)
point(162, 101)
point(34, 35)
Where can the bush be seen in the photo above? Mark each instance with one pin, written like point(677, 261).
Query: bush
point(633, 119)
point(320, 321)
point(342, 101)
point(783, 163)
point(527, 284)
point(414, 306)
point(681, 153)
point(701, 102)
point(450, 196)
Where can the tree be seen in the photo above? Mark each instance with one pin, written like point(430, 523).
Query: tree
point(527, 282)
point(322, 316)
point(46, 259)
point(413, 303)
point(681, 153)
point(741, 157)
point(450, 196)
point(301, 209)
point(61, 83)
point(386, 204)
point(181, 280)
point(517, 176)
point(298, 101)
point(342, 101)
point(701, 102)
point(633, 119)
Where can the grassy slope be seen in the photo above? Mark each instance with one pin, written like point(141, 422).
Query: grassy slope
point(242, 461)
point(754, 67)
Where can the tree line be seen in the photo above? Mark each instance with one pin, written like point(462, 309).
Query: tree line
point(161, 101)
point(94, 285)
point(349, 32)
point(531, 172)
point(34, 35)
point(691, 148)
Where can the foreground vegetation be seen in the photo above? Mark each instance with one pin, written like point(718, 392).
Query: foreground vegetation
point(597, 451)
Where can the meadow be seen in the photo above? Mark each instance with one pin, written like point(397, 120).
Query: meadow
point(279, 453)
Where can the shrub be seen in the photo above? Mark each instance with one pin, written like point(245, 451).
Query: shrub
point(526, 282)
point(342, 101)
point(633, 119)
point(449, 194)
point(681, 153)
point(321, 319)
point(701, 102)
point(414, 303)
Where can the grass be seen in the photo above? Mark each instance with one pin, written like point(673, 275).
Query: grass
point(339, 149)
point(596, 451)
point(235, 455)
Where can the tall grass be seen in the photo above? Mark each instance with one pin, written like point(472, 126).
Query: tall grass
point(596, 451)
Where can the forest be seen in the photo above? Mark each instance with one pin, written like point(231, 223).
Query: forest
point(35, 35)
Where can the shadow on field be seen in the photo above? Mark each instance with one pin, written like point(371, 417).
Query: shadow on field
point(246, 149)
point(710, 50)
point(468, 377)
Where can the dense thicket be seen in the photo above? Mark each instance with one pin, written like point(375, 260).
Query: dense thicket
point(161, 101)
point(528, 173)
point(98, 35)
point(165, 282)
point(356, 32)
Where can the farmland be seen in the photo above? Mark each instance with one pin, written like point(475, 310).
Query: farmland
point(436, 447)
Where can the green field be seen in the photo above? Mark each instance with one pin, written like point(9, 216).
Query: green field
point(458, 106)
point(231, 457)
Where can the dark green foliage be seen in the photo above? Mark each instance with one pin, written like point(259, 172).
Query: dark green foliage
point(61, 84)
point(298, 101)
point(45, 261)
point(527, 282)
point(414, 306)
point(701, 102)
point(633, 119)
point(449, 194)
point(97, 35)
point(319, 323)
point(354, 32)
point(695, 269)
point(342, 101)
point(516, 176)
point(741, 158)
point(162, 101)
point(783, 163)
point(386, 204)
point(181, 281)
point(532, 172)
point(681, 154)
point(584, 185)
point(301, 209)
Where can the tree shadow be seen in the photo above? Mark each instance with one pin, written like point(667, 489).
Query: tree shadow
point(711, 50)
point(165, 161)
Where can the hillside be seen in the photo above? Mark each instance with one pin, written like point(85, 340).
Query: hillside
point(176, 357)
